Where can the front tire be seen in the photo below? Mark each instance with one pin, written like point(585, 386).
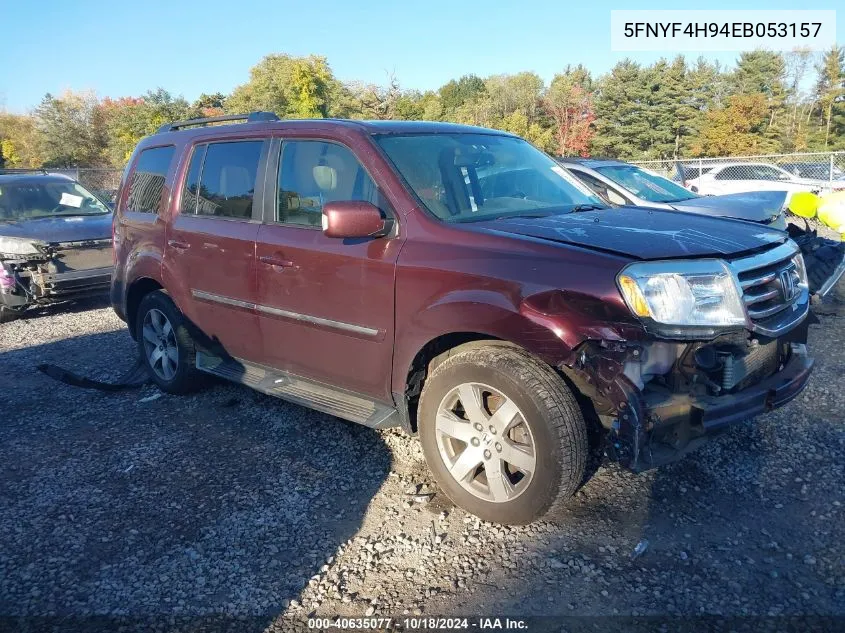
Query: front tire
point(502, 434)
point(165, 345)
point(9, 314)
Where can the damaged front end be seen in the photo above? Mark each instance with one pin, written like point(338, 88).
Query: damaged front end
point(660, 400)
point(661, 397)
point(36, 272)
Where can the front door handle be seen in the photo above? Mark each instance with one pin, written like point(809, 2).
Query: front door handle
point(275, 261)
point(179, 246)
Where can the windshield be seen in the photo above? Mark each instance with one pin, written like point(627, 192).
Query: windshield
point(645, 185)
point(50, 198)
point(470, 177)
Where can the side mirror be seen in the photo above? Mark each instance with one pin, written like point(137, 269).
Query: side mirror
point(352, 218)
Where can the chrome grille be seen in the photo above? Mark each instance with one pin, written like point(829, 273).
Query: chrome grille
point(770, 282)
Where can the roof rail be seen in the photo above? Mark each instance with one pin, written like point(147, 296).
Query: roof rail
point(23, 170)
point(252, 117)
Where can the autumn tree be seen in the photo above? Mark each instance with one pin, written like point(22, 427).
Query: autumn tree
point(570, 105)
point(737, 129)
point(19, 141)
point(129, 119)
point(71, 130)
point(209, 105)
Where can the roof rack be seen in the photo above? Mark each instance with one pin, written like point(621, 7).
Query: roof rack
point(252, 117)
point(23, 170)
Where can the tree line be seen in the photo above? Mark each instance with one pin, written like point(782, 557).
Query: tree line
point(769, 102)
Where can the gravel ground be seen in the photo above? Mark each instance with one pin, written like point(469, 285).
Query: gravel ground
point(142, 504)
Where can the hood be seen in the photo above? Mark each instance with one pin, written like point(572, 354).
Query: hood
point(642, 233)
point(60, 229)
point(756, 206)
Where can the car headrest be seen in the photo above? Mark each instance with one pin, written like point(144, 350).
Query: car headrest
point(325, 177)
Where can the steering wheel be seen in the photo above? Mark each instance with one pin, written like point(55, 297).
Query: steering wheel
point(517, 194)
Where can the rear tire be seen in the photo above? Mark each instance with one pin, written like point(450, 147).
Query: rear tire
point(166, 346)
point(518, 449)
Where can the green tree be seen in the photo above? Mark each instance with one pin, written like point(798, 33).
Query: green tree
point(292, 87)
point(621, 107)
point(129, 119)
point(456, 93)
point(514, 93)
point(829, 92)
point(210, 104)
point(71, 130)
point(19, 141)
point(764, 72)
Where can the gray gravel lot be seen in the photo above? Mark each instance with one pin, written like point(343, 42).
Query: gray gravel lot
point(233, 503)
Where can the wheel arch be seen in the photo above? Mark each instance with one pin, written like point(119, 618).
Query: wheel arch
point(139, 288)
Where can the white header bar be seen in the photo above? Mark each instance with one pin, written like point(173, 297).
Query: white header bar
point(721, 30)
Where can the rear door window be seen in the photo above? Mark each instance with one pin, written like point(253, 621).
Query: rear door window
point(148, 178)
point(227, 179)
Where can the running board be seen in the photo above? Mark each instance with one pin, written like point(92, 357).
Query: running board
point(307, 393)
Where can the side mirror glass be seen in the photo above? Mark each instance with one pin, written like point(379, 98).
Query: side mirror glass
point(353, 218)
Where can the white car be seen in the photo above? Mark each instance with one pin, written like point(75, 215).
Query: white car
point(738, 177)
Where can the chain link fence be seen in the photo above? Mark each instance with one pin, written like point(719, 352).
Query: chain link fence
point(824, 171)
point(101, 181)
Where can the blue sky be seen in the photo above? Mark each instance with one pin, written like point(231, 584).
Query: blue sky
point(125, 48)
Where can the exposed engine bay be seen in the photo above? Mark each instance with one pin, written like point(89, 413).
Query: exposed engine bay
point(658, 400)
point(58, 271)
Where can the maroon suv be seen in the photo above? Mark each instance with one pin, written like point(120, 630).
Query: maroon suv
point(459, 283)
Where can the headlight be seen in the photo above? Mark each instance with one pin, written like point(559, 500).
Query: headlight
point(801, 269)
point(683, 298)
point(17, 246)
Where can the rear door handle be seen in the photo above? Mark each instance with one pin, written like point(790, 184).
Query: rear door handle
point(179, 246)
point(275, 261)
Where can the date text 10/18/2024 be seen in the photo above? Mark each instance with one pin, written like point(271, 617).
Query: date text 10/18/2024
point(429, 623)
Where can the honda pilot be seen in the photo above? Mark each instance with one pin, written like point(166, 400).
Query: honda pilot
point(456, 282)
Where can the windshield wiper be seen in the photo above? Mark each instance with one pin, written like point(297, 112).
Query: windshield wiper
point(507, 216)
point(587, 207)
point(76, 215)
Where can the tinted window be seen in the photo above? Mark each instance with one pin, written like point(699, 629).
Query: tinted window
point(761, 172)
point(312, 173)
point(227, 181)
point(731, 172)
point(148, 179)
point(192, 180)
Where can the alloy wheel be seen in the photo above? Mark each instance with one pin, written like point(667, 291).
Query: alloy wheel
point(160, 344)
point(485, 442)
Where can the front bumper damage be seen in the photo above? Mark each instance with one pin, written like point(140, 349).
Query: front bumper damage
point(660, 400)
point(61, 271)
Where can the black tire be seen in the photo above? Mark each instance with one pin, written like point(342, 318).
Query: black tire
point(186, 378)
point(9, 314)
point(548, 408)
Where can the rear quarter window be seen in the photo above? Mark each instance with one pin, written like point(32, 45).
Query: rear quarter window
point(147, 183)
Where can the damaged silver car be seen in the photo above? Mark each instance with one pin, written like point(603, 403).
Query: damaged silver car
point(55, 241)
